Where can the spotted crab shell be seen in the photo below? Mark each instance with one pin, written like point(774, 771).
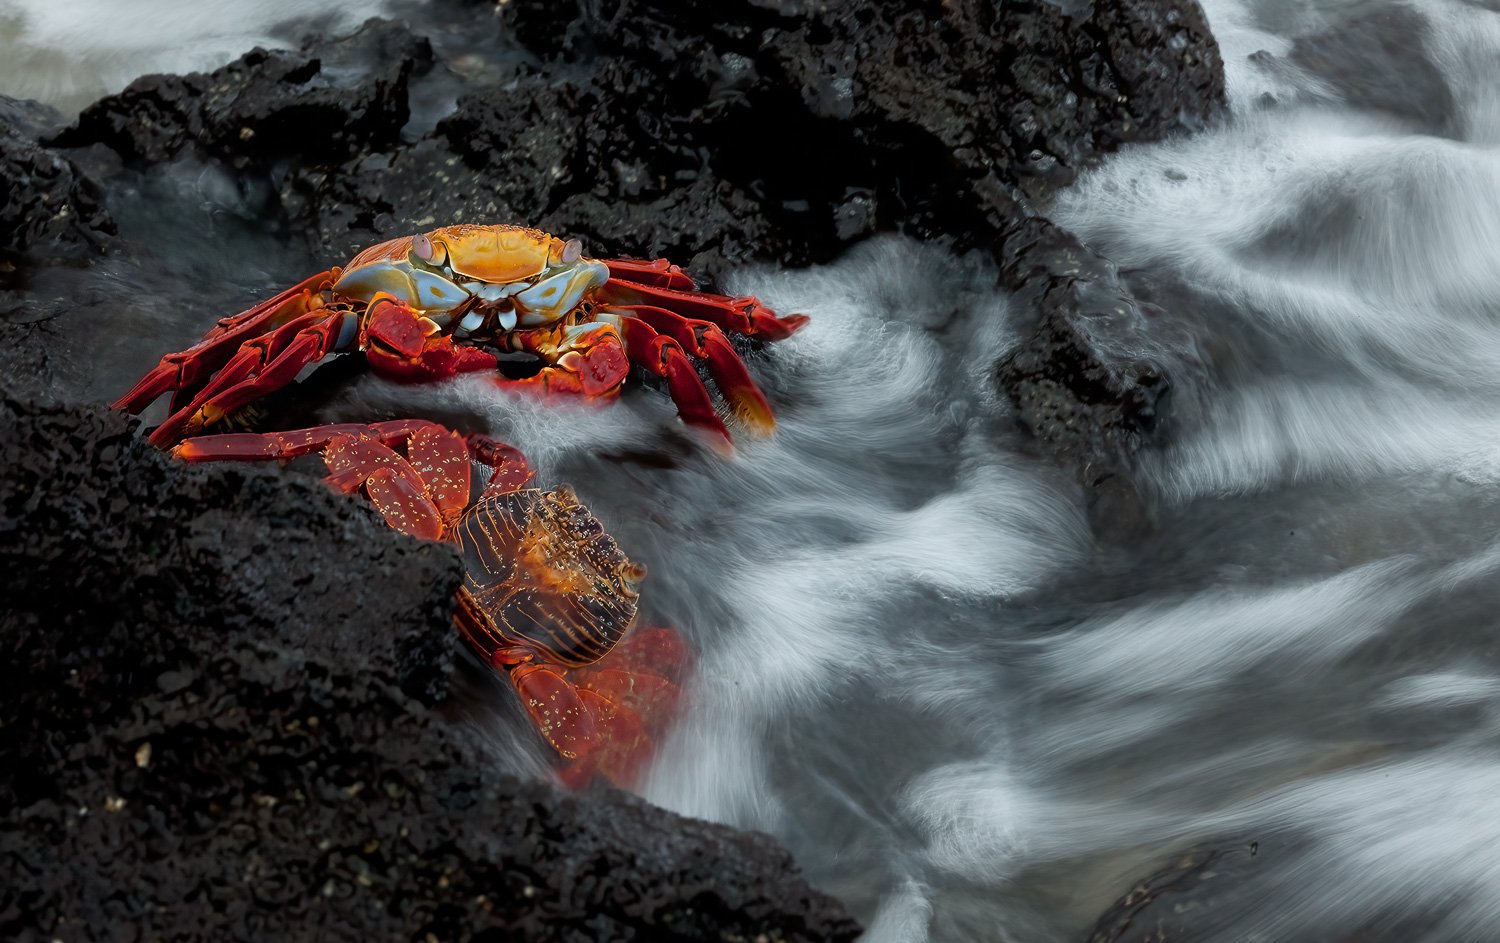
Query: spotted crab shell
point(540, 572)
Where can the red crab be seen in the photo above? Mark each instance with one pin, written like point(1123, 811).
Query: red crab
point(548, 597)
point(425, 307)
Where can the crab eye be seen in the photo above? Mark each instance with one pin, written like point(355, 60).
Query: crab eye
point(572, 251)
point(422, 246)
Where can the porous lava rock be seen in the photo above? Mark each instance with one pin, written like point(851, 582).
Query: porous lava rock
point(320, 104)
point(227, 696)
point(49, 208)
point(936, 93)
point(222, 716)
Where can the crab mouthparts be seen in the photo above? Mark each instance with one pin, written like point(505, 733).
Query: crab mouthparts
point(498, 316)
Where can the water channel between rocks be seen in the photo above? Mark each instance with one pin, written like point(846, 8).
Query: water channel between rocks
point(969, 714)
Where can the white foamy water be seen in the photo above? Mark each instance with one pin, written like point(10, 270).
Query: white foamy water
point(70, 53)
point(974, 718)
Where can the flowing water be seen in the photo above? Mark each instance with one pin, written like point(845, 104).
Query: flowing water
point(969, 713)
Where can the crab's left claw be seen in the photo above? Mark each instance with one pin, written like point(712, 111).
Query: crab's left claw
point(402, 345)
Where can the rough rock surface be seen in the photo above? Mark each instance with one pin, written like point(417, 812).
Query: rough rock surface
point(941, 118)
point(267, 104)
point(1087, 382)
point(214, 729)
point(48, 207)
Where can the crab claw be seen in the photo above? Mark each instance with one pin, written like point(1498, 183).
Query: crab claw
point(402, 345)
point(589, 361)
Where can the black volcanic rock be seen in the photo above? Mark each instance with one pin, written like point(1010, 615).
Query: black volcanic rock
point(221, 717)
point(48, 208)
point(228, 697)
point(1088, 381)
point(1218, 891)
point(917, 104)
point(267, 104)
point(716, 134)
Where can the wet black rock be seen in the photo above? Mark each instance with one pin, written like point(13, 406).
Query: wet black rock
point(222, 700)
point(914, 106)
point(1218, 891)
point(321, 103)
point(717, 134)
point(212, 723)
point(1088, 381)
point(1380, 60)
point(49, 209)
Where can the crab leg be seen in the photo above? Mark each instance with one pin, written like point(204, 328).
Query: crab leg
point(190, 368)
point(635, 694)
point(704, 339)
point(664, 357)
point(745, 315)
point(434, 463)
point(555, 705)
point(266, 446)
point(441, 458)
point(511, 470)
point(263, 365)
point(658, 273)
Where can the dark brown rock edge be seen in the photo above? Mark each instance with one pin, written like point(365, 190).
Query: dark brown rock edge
point(214, 727)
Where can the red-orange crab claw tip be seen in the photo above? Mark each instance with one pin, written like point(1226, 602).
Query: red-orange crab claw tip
point(792, 323)
point(719, 442)
point(150, 386)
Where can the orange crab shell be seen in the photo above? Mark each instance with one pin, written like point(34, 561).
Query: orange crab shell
point(495, 254)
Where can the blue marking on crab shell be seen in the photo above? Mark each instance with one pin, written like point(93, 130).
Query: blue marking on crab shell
point(419, 288)
point(348, 332)
point(556, 295)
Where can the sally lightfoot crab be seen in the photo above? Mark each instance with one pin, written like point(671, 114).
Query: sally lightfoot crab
point(436, 304)
point(548, 597)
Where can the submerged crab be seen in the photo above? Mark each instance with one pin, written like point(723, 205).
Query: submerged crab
point(548, 597)
point(424, 307)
